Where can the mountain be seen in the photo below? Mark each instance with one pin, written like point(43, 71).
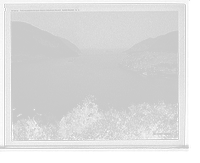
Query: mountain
point(70, 45)
point(164, 43)
point(143, 45)
point(29, 42)
point(167, 43)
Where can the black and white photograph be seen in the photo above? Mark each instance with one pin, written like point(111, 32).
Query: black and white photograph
point(95, 74)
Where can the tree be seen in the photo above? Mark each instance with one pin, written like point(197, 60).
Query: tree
point(111, 126)
point(81, 116)
point(86, 122)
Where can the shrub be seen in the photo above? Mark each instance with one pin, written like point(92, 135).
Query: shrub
point(30, 129)
point(81, 118)
point(86, 122)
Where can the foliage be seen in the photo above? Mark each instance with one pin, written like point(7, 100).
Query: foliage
point(30, 129)
point(87, 122)
point(139, 122)
point(79, 117)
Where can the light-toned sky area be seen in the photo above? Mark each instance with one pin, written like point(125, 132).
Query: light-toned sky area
point(103, 30)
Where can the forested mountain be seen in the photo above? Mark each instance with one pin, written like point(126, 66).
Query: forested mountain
point(164, 43)
point(163, 61)
point(30, 43)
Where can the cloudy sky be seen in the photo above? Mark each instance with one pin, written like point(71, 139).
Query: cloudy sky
point(102, 30)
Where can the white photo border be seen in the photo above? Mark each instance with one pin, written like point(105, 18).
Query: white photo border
point(6, 141)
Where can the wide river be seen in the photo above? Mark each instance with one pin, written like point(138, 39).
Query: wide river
point(55, 87)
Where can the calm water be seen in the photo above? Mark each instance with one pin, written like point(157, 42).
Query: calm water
point(55, 87)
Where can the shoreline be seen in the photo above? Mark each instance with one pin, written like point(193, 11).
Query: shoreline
point(171, 73)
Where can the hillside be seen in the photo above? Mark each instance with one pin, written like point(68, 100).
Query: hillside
point(167, 43)
point(70, 45)
point(162, 61)
point(164, 43)
point(31, 43)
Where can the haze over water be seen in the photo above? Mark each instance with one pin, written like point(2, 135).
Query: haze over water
point(57, 85)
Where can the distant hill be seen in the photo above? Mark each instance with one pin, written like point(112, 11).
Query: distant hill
point(163, 61)
point(164, 43)
point(70, 45)
point(29, 42)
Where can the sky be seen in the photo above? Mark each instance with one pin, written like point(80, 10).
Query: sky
point(102, 30)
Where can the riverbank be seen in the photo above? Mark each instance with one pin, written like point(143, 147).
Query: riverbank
point(155, 61)
point(136, 70)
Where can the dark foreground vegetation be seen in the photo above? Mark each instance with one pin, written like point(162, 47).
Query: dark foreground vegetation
point(88, 122)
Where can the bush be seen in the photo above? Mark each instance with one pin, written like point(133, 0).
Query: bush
point(110, 127)
point(155, 121)
point(86, 122)
point(39, 127)
point(79, 120)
